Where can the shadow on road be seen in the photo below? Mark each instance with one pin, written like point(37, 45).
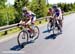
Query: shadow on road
point(47, 31)
point(52, 36)
point(17, 47)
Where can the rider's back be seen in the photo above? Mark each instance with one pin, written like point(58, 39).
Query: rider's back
point(58, 13)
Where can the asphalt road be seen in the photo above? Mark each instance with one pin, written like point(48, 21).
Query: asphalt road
point(45, 44)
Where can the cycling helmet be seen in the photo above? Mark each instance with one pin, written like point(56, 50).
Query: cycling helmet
point(24, 9)
point(54, 6)
point(50, 8)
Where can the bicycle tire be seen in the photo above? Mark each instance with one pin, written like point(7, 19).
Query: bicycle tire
point(48, 26)
point(18, 40)
point(54, 24)
point(37, 33)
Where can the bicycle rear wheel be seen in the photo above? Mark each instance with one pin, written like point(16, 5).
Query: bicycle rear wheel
point(22, 38)
point(53, 29)
point(36, 33)
point(54, 25)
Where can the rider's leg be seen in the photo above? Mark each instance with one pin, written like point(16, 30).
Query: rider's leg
point(32, 25)
point(60, 26)
point(33, 21)
point(60, 22)
point(30, 29)
point(51, 21)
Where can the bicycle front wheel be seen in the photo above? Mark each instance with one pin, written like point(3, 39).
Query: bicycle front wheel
point(22, 38)
point(48, 26)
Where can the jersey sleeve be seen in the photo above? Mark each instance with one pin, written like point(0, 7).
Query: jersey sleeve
point(31, 13)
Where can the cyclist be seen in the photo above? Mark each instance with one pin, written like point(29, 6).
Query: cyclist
point(28, 18)
point(57, 13)
point(50, 13)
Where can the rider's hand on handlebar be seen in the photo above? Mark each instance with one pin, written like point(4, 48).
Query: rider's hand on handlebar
point(18, 24)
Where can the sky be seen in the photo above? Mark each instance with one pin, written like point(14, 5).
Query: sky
point(62, 1)
point(50, 1)
point(10, 1)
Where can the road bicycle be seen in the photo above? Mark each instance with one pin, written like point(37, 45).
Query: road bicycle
point(54, 25)
point(26, 34)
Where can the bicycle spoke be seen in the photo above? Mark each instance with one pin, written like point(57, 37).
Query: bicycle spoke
point(22, 38)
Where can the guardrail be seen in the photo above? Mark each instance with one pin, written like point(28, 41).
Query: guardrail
point(8, 27)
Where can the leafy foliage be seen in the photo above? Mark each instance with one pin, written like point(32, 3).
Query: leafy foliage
point(18, 7)
point(10, 14)
point(39, 8)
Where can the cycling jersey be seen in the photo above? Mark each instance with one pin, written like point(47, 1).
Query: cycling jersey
point(30, 15)
point(58, 13)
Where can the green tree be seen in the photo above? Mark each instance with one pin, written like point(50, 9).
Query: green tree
point(7, 16)
point(2, 3)
point(11, 14)
point(74, 6)
point(39, 7)
point(2, 12)
point(18, 6)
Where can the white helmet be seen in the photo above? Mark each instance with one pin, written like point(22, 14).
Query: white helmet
point(24, 9)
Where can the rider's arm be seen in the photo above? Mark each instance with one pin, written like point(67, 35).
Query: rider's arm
point(29, 21)
point(54, 15)
point(30, 17)
point(22, 22)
